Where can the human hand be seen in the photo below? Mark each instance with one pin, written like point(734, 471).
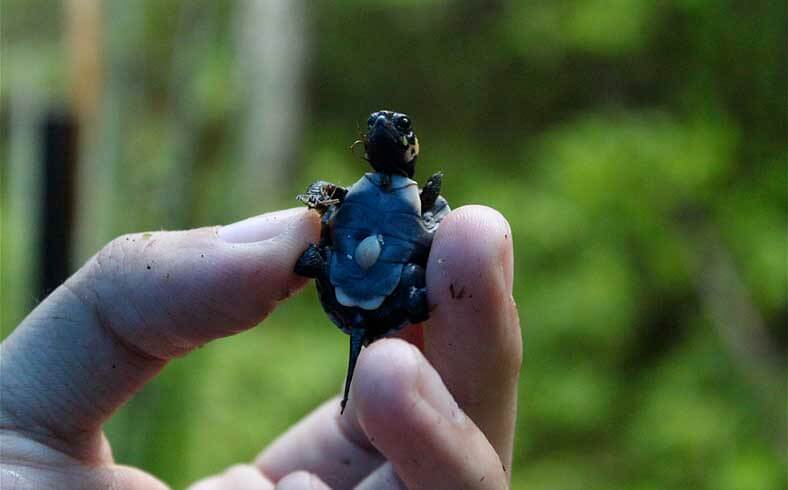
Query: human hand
point(149, 297)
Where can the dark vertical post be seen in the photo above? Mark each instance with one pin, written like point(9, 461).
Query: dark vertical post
point(59, 156)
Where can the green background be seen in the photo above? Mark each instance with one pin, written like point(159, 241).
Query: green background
point(637, 148)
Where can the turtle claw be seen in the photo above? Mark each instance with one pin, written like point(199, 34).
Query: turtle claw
point(431, 191)
point(321, 195)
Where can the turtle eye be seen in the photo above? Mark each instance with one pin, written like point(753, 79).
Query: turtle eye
point(403, 123)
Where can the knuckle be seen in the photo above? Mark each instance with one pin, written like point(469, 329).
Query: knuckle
point(115, 254)
point(105, 273)
point(102, 274)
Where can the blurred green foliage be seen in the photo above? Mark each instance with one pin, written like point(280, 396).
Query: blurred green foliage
point(636, 147)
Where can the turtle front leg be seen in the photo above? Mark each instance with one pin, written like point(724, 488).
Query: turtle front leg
point(434, 207)
point(322, 195)
point(431, 191)
point(311, 264)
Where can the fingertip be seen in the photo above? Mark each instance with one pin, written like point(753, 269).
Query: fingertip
point(473, 243)
point(283, 251)
point(301, 480)
point(266, 268)
point(262, 227)
point(303, 228)
point(469, 281)
point(409, 415)
point(384, 381)
point(393, 378)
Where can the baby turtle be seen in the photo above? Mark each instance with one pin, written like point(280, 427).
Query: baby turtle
point(376, 236)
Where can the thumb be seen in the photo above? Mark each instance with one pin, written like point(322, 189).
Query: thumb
point(142, 300)
point(165, 293)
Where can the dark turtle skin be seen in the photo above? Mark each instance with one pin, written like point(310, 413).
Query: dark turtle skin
point(375, 239)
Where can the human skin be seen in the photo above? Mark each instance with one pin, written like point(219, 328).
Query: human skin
point(434, 408)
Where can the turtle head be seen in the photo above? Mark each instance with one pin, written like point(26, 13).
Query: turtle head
point(390, 144)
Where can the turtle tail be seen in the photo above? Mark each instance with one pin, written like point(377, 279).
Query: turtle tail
point(356, 342)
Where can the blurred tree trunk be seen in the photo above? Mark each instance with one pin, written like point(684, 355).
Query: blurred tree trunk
point(729, 307)
point(58, 130)
point(101, 36)
point(83, 40)
point(20, 207)
point(271, 60)
point(194, 32)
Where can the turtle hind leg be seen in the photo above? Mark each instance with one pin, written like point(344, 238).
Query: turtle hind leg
point(414, 299)
point(311, 264)
point(416, 305)
point(356, 343)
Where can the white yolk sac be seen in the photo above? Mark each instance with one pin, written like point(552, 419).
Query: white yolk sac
point(368, 251)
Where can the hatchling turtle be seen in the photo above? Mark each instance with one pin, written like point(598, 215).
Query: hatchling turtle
point(375, 239)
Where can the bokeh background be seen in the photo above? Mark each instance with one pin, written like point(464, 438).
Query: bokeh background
point(638, 149)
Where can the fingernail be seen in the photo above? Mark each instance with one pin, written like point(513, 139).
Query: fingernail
point(432, 389)
point(259, 228)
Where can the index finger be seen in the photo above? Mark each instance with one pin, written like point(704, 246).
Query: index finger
point(473, 336)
